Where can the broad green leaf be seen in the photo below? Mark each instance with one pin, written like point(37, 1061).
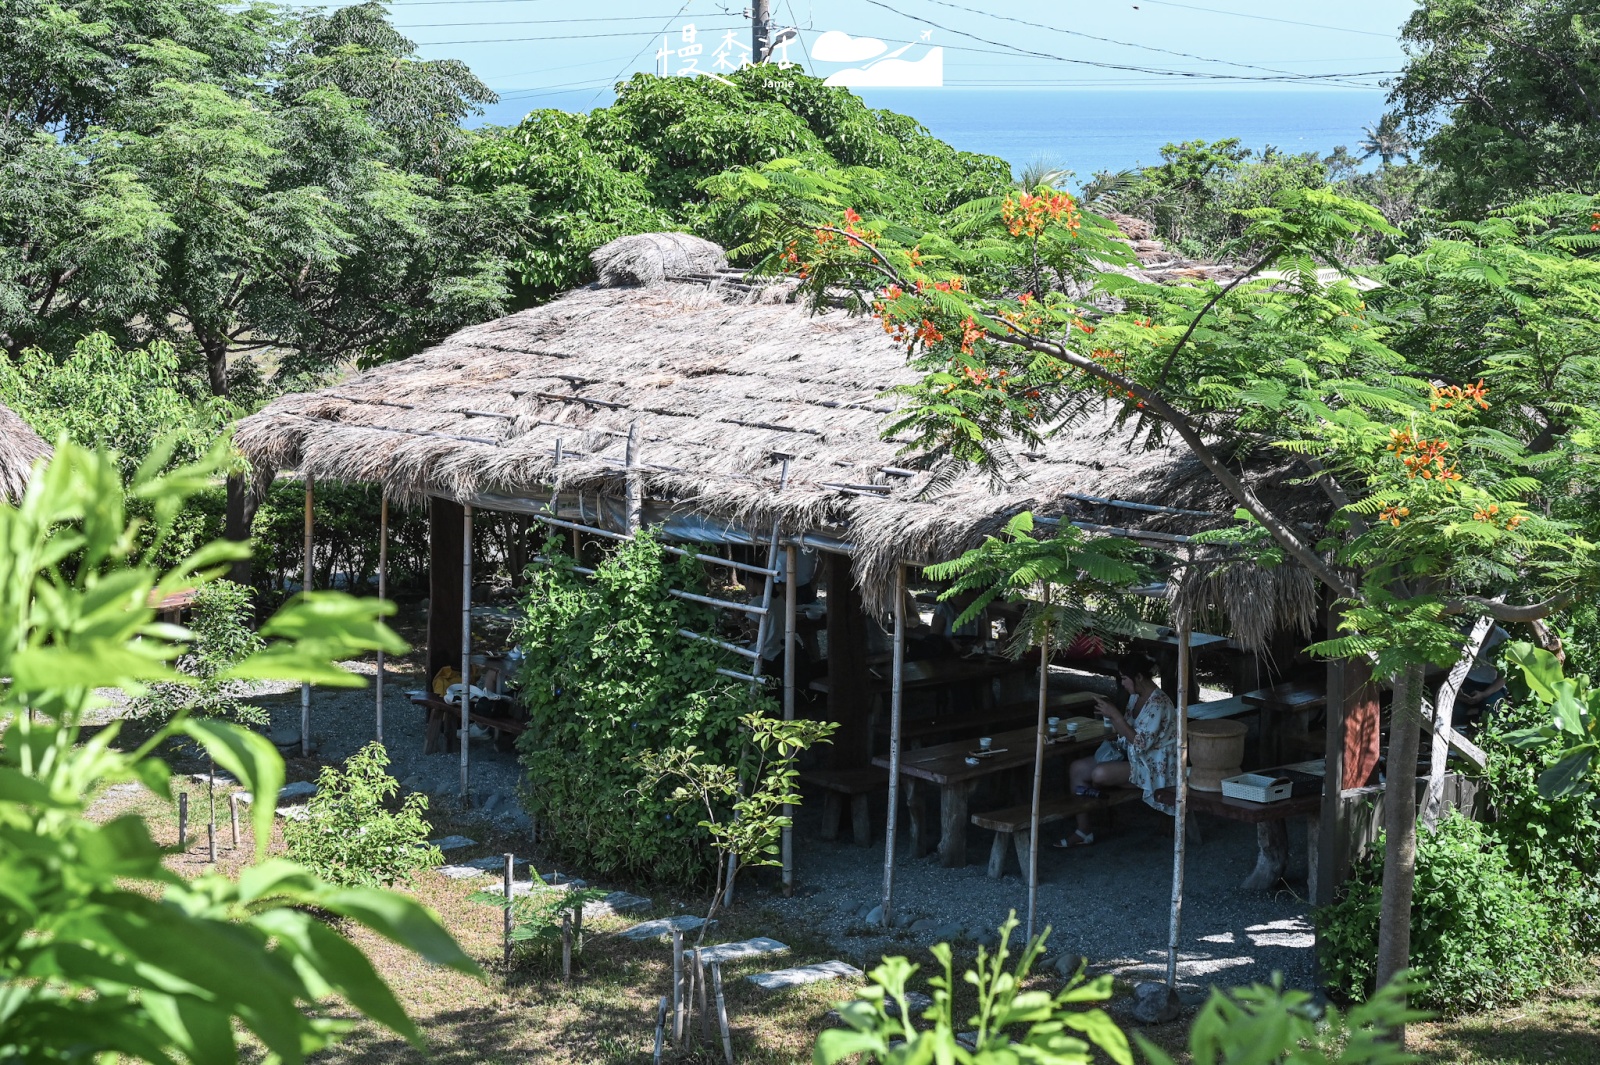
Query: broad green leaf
point(1569, 774)
point(400, 919)
point(252, 758)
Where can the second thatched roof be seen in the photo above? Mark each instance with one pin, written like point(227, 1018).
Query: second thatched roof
point(20, 449)
point(718, 379)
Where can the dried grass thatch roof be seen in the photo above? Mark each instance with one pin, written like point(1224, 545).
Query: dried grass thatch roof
point(20, 448)
point(719, 378)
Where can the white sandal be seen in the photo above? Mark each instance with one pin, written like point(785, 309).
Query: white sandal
point(1084, 839)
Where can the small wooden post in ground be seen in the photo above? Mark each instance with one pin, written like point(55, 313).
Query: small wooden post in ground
point(183, 820)
point(510, 867)
point(211, 842)
point(566, 946)
point(661, 1028)
point(577, 929)
point(233, 816)
point(722, 1013)
point(700, 982)
point(677, 987)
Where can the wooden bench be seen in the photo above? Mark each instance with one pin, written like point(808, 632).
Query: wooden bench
point(859, 785)
point(1232, 706)
point(1014, 824)
point(441, 715)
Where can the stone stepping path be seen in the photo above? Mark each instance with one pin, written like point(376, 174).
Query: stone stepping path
point(494, 863)
point(454, 843)
point(915, 1000)
point(523, 887)
point(300, 789)
point(663, 926)
point(294, 813)
point(781, 979)
point(723, 953)
point(613, 905)
point(461, 872)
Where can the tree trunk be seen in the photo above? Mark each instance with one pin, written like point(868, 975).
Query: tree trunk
point(1400, 829)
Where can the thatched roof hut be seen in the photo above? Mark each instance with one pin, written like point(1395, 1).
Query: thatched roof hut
point(20, 449)
point(717, 377)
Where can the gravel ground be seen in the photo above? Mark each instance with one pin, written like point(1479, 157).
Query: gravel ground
point(1109, 903)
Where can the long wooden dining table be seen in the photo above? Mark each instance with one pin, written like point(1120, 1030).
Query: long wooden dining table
point(946, 766)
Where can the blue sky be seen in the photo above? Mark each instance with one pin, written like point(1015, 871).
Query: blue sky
point(531, 48)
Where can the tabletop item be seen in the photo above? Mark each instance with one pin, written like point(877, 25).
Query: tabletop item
point(985, 742)
point(973, 760)
point(1256, 787)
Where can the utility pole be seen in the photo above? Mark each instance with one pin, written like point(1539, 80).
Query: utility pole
point(760, 30)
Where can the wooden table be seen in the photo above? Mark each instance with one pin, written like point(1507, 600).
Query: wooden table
point(1291, 700)
point(936, 672)
point(1272, 828)
point(1011, 715)
point(946, 766)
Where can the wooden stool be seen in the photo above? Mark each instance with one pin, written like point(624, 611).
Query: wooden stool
point(859, 785)
point(1013, 826)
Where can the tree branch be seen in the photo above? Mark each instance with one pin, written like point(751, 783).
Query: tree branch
point(1172, 356)
point(1501, 610)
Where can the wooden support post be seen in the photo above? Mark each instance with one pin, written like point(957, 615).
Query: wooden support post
point(699, 978)
point(211, 842)
point(896, 701)
point(634, 481)
point(466, 650)
point(233, 816)
point(383, 592)
point(848, 679)
point(305, 688)
point(722, 1013)
point(183, 820)
point(509, 881)
point(1181, 810)
point(998, 857)
point(444, 585)
point(791, 598)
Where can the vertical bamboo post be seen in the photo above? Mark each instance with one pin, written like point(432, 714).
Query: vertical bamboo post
point(183, 820)
point(1181, 788)
point(661, 1028)
point(1038, 767)
point(211, 814)
point(722, 1013)
point(577, 930)
point(791, 599)
point(383, 593)
point(211, 842)
point(566, 946)
point(233, 816)
point(677, 987)
point(700, 984)
point(510, 874)
point(634, 481)
point(305, 688)
point(896, 683)
point(466, 646)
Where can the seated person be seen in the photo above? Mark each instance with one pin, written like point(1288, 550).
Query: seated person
point(1143, 752)
point(1484, 688)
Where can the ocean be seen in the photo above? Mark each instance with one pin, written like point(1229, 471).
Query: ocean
point(1089, 130)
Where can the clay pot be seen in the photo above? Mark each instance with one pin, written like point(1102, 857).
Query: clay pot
point(1216, 750)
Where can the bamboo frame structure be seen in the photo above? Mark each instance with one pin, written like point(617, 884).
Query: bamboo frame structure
point(466, 649)
point(1181, 803)
point(896, 701)
point(383, 593)
point(791, 599)
point(305, 686)
point(1038, 768)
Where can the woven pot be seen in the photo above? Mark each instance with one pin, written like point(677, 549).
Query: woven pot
point(1216, 750)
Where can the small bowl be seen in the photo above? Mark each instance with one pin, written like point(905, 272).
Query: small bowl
point(974, 761)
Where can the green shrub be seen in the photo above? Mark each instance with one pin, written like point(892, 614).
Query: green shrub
point(1480, 936)
point(220, 637)
point(1554, 843)
point(538, 916)
point(606, 679)
point(350, 837)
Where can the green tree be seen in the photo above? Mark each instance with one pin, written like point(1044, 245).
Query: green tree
point(1436, 497)
point(1503, 97)
point(350, 836)
point(104, 951)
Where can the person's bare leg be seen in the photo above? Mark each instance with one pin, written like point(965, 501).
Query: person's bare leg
point(1103, 775)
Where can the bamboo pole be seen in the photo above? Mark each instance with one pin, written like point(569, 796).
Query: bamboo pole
point(305, 688)
point(896, 693)
point(383, 591)
point(466, 647)
point(1038, 768)
point(233, 816)
point(509, 881)
point(1181, 788)
point(634, 481)
point(677, 987)
point(183, 820)
point(722, 1013)
point(661, 1028)
point(791, 599)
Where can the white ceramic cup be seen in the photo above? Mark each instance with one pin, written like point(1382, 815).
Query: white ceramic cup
point(1053, 722)
point(985, 742)
point(1072, 728)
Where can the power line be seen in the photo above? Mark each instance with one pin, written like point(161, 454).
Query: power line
point(1104, 65)
point(533, 22)
point(573, 37)
point(641, 51)
point(1103, 40)
point(1268, 18)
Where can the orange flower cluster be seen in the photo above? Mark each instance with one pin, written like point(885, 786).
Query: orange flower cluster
point(792, 263)
point(971, 333)
point(1392, 515)
point(955, 284)
point(1117, 363)
point(1596, 216)
point(1491, 515)
point(1424, 458)
point(929, 333)
point(1027, 215)
point(1023, 321)
point(1466, 395)
point(1488, 513)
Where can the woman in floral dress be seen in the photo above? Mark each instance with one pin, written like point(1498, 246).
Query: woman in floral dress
point(1143, 751)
